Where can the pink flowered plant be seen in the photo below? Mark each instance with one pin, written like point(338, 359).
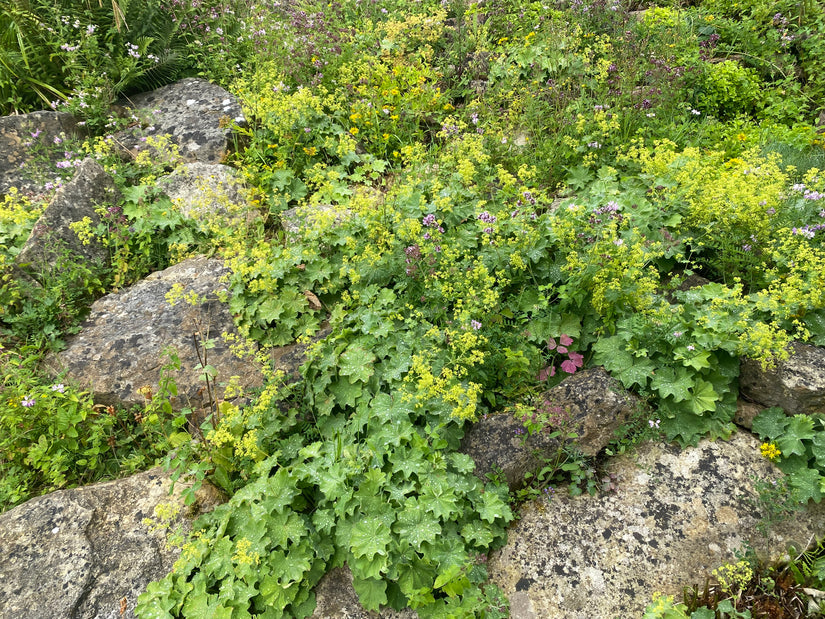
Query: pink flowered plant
point(573, 362)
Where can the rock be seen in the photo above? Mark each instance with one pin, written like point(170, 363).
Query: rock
point(291, 357)
point(119, 348)
point(296, 218)
point(86, 552)
point(336, 599)
point(26, 137)
point(746, 412)
point(677, 516)
point(201, 189)
point(589, 403)
point(197, 114)
point(796, 385)
point(91, 188)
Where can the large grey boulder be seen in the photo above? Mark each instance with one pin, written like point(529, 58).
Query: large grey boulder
point(201, 190)
point(677, 515)
point(589, 403)
point(91, 188)
point(796, 384)
point(119, 349)
point(23, 141)
point(197, 114)
point(86, 552)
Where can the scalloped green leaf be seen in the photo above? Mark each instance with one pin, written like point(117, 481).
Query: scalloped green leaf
point(372, 593)
point(703, 397)
point(492, 508)
point(357, 363)
point(799, 429)
point(415, 525)
point(675, 384)
point(369, 537)
point(770, 423)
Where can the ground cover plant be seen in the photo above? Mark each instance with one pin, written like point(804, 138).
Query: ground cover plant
point(488, 198)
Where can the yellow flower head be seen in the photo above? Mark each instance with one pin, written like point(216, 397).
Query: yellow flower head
point(770, 451)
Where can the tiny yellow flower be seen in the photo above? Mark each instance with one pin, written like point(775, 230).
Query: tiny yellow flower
point(770, 451)
point(354, 130)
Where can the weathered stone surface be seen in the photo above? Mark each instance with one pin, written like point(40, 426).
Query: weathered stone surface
point(675, 518)
point(201, 189)
point(19, 137)
point(85, 552)
point(291, 357)
point(295, 218)
point(336, 599)
point(593, 405)
point(119, 348)
point(797, 385)
point(746, 412)
point(91, 187)
point(197, 114)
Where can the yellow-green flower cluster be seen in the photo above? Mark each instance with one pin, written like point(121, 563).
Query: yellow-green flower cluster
point(734, 577)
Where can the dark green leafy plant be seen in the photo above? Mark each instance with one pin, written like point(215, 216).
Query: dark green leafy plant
point(797, 445)
point(53, 436)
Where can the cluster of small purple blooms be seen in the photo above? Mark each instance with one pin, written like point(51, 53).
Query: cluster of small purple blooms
point(707, 46)
point(807, 194)
point(429, 221)
point(555, 416)
point(528, 199)
point(573, 362)
point(450, 129)
point(68, 161)
point(474, 120)
point(489, 219)
point(610, 211)
point(809, 231)
point(30, 401)
point(413, 253)
point(782, 26)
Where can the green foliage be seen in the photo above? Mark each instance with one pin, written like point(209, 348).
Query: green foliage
point(797, 444)
point(40, 309)
point(53, 436)
point(407, 518)
point(727, 89)
point(498, 182)
point(81, 56)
